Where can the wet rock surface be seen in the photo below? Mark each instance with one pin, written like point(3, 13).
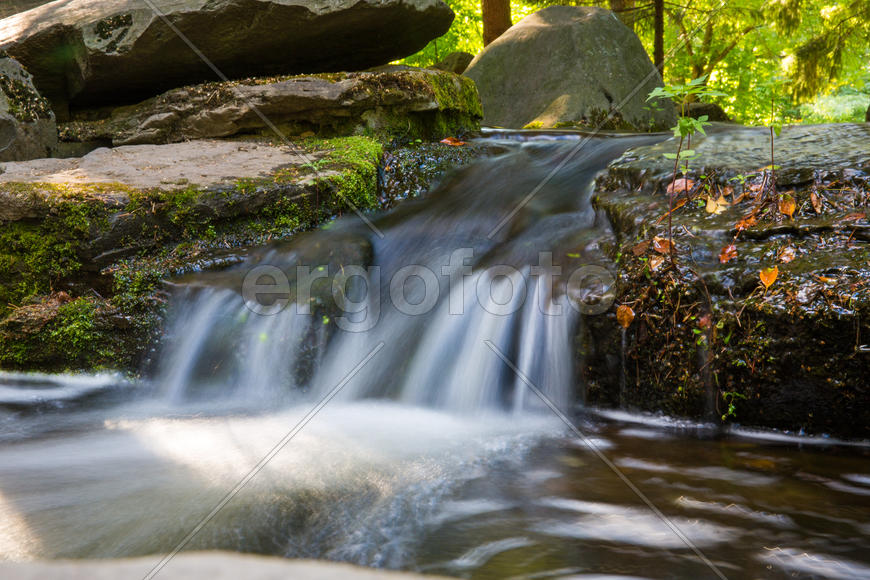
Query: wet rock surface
point(567, 66)
point(762, 318)
point(92, 51)
point(27, 125)
point(399, 100)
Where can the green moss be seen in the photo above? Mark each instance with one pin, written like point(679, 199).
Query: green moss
point(36, 255)
point(456, 93)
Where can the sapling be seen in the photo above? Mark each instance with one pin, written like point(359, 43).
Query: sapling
point(686, 127)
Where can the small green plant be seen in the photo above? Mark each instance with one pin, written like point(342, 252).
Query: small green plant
point(731, 398)
point(686, 127)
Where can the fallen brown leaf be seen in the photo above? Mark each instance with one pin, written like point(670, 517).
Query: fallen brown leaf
point(624, 315)
point(728, 253)
point(662, 245)
point(655, 262)
point(786, 255)
point(787, 205)
point(682, 184)
point(640, 248)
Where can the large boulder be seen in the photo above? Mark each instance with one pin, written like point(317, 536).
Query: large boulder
point(93, 51)
point(565, 66)
point(402, 100)
point(27, 126)
point(10, 7)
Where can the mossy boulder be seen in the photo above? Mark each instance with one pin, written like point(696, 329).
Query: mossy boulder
point(567, 66)
point(403, 101)
point(87, 242)
point(90, 52)
point(27, 125)
point(714, 337)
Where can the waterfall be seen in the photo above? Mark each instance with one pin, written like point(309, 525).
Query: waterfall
point(458, 282)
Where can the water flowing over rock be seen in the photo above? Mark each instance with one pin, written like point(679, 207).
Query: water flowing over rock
point(27, 126)
point(402, 100)
point(93, 51)
point(565, 66)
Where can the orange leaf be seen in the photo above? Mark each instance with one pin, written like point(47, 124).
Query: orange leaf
point(662, 245)
point(854, 217)
point(817, 203)
point(624, 315)
point(453, 141)
point(786, 255)
point(746, 223)
point(677, 205)
point(787, 205)
point(768, 276)
point(682, 184)
point(655, 262)
point(728, 253)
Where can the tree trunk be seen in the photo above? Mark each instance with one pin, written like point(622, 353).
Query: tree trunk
point(659, 36)
point(496, 18)
point(624, 9)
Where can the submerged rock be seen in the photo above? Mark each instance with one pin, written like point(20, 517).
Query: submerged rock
point(97, 52)
point(27, 126)
point(767, 307)
point(415, 103)
point(568, 66)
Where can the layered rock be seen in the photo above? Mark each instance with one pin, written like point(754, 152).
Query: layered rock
point(27, 125)
point(568, 66)
point(85, 52)
point(416, 103)
point(85, 243)
point(788, 346)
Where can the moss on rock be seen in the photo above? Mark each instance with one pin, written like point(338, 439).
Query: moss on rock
point(81, 266)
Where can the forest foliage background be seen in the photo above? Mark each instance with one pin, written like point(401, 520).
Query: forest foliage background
point(798, 60)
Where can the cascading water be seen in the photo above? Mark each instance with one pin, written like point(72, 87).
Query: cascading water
point(442, 283)
point(428, 450)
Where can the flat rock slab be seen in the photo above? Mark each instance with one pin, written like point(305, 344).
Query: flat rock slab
point(198, 163)
point(401, 100)
point(205, 565)
point(94, 51)
point(567, 66)
point(800, 151)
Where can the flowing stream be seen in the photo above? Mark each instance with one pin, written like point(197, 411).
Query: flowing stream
point(394, 395)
